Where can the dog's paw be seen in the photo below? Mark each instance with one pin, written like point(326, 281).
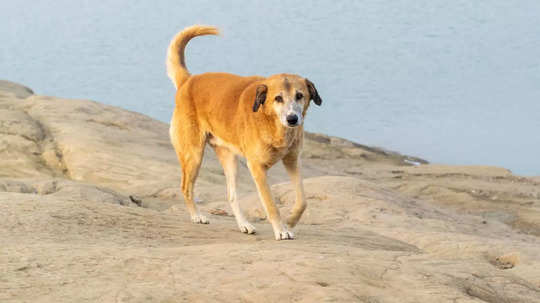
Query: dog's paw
point(284, 235)
point(199, 219)
point(246, 228)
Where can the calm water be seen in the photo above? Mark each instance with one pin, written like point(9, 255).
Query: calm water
point(451, 81)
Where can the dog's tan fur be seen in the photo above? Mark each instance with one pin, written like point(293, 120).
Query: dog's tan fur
point(237, 116)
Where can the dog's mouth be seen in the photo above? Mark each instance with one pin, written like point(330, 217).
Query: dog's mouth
point(292, 125)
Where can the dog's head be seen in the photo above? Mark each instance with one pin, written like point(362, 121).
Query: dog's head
point(287, 97)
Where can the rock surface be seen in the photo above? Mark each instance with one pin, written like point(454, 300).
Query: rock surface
point(91, 211)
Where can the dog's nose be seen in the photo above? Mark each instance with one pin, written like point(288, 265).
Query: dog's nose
point(292, 119)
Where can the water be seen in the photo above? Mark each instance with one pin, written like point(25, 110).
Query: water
point(453, 82)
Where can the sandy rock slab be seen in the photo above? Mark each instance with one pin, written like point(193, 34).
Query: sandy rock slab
point(58, 249)
point(91, 212)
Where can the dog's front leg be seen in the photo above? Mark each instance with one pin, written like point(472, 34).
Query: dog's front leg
point(292, 165)
point(258, 171)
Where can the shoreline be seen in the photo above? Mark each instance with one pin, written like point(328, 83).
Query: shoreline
point(6, 84)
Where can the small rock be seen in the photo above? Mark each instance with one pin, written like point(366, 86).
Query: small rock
point(23, 268)
point(322, 284)
point(219, 212)
point(506, 261)
point(135, 200)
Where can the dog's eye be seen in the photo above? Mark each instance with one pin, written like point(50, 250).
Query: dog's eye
point(279, 99)
point(299, 96)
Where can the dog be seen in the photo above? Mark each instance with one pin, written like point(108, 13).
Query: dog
point(255, 117)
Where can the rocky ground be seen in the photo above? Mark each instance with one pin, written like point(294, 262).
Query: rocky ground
point(91, 212)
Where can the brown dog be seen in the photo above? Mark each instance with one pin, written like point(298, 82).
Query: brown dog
point(255, 117)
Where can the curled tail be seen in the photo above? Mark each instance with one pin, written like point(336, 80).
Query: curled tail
point(176, 65)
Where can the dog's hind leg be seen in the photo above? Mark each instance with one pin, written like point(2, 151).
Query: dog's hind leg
point(292, 165)
point(189, 149)
point(258, 171)
point(191, 162)
point(228, 161)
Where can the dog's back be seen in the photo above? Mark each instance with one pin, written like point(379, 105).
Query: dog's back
point(215, 100)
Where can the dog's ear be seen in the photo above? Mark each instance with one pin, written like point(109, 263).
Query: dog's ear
point(260, 97)
point(313, 92)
